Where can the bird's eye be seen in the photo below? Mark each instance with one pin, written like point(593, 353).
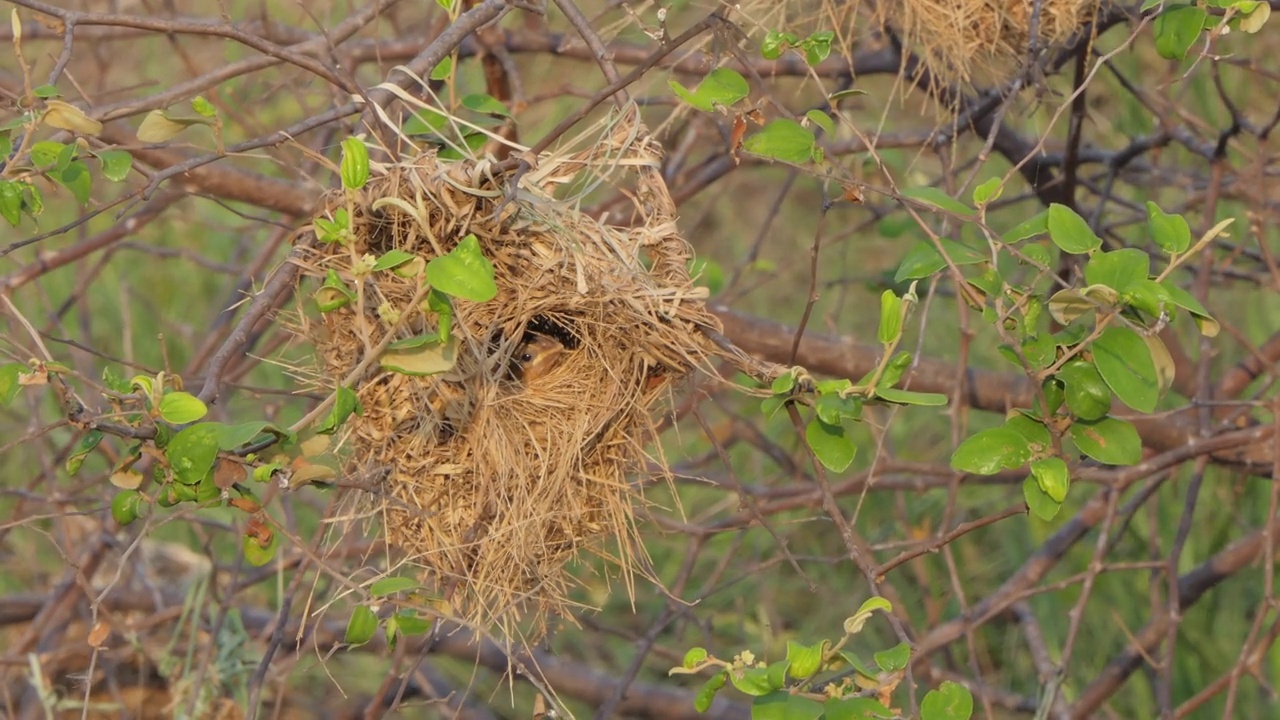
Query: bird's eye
point(526, 357)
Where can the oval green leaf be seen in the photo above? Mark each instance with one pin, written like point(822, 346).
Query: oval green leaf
point(1052, 476)
point(180, 408)
point(361, 626)
point(783, 139)
point(990, 451)
point(1124, 360)
point(937, 198)
point(951, 701)
point(1087, 395)
point(464, 273)
point(830, 444)
point(1109, 440)
point(1171, 232)
point(392, 585)
point(1038, 502)
point(1070, 232)
point(193, 451)
point(1118, 269)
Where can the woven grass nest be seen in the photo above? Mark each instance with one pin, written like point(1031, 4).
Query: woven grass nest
point(491, 480)
point(972, 42)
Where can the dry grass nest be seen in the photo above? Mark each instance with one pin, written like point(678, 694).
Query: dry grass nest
point(488, 480)
point(977, 42)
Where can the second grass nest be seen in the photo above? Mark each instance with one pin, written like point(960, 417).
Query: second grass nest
point(488, 475)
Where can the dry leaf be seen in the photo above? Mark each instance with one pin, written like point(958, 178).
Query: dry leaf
point(126, 479)
point(66, 116)
point(98, 635)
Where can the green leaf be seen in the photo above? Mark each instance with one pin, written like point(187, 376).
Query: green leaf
point(83, 447)
point(430, 358)
point(987, 192)
point(833, 409)
point(257, 554)
point(442, 306)
point(159, 125)
point(951, 701)
point(1109, 440)
point(923, 259)
point(464, 273)
point(872, 604)
point(1033, 433)
point(425, 122)
point(937, 198)
point(482, 103)
point(910, 397)
point(1118, 269)
point(1176, 30)
point(115, 164)
point(1039, 502)
point(1054, 396)
point(890, 318)
point(1039, 350)
point(411, 624)
point(721, 87)
point(822, 120)
point(193, 451)
point(127, 506)
point(990, 451)
point(782, 705)
point(752, 681)
point(10, 200)
point(180, 408)
point(1150, 297)
point(45, 91)
point(895, 658)
point(830, 444)
point(1036, 254)
point(392, 585)
point(333, 295)
point(707, 693)
point(818, 46)
point(693, 658)
point(1037, 224)
point(1125, 363)
point(361, 626)
point(784, 383)
point(708, 273)
point(345, 403)
point(1087, 395)
point(804, 660)
point(1052, 476)
point(856, 708)
point(775, 43)
point(1170, 232)
point(231, 437)
point(45, 154)
point(783, 139)
point(442, 70)
point(203, 106)
point(393, 258)
point(75, 177)
point(354, 169)
point(9, 385)
point(1185, 300)
point(1070, 232)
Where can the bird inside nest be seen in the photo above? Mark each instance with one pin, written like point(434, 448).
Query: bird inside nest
point(536, 356)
